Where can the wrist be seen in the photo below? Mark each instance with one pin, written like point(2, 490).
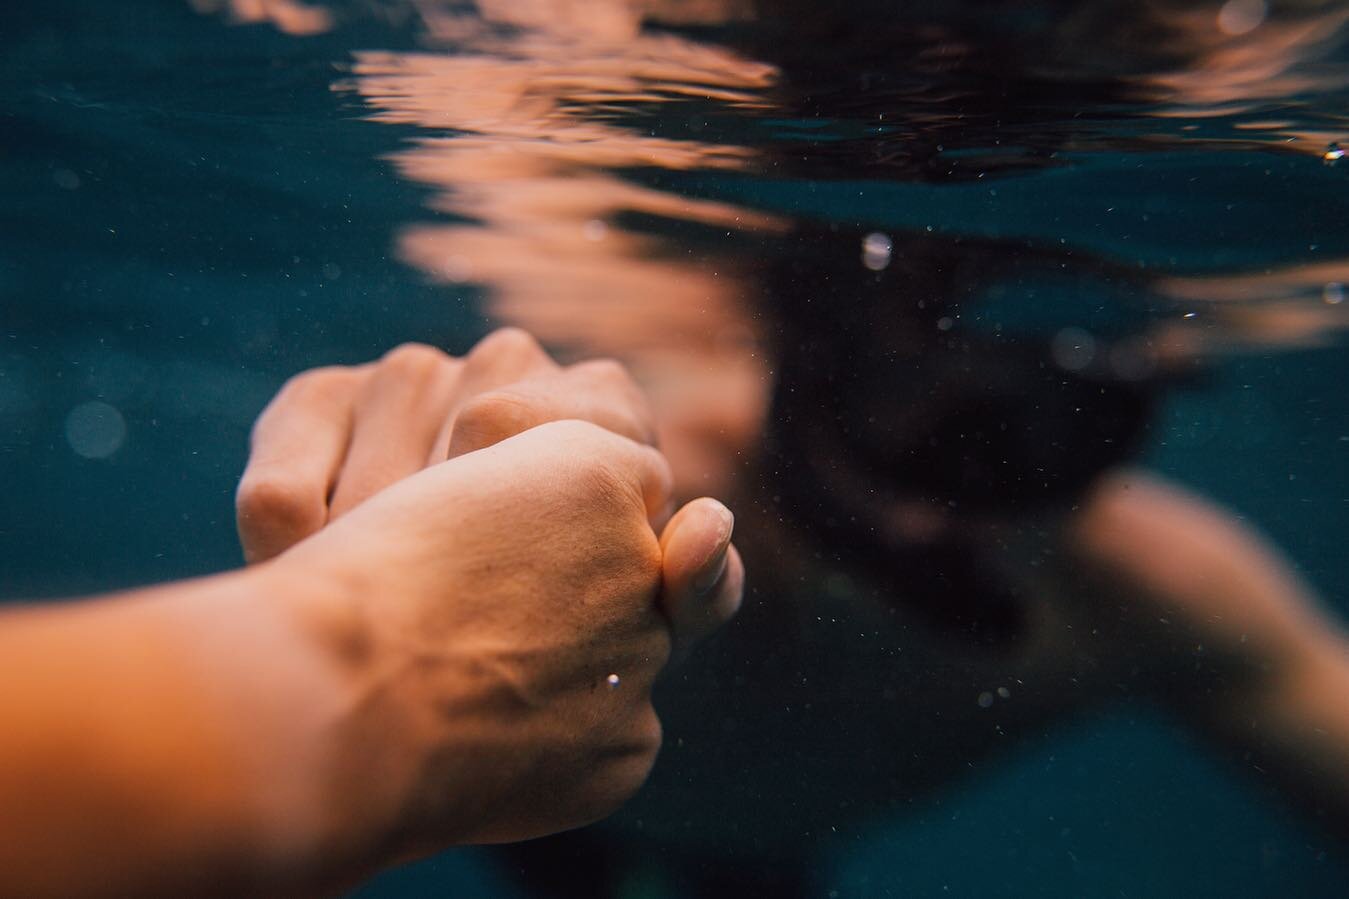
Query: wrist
point(274, 645)
point(401, 775)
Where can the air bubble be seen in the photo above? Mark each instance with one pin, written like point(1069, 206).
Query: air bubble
point(876, 250)
point(1238, 17)
point(1073, 349)
point(95, 430)
point(457, 269)
point(66, 179)
point(595, 230)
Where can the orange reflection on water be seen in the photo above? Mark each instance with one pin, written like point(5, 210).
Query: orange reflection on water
point(1295, 306)
point(541, 139)
point(537, 118)
point(290, 16)
point(1242, 57)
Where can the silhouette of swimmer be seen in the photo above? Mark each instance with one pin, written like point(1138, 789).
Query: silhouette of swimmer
point(938, 511)
point(951, 555)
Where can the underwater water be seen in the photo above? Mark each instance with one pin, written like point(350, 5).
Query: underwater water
point(1116, 230)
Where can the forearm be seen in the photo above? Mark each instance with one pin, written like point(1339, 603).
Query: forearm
point(1245, 651)
point(170, 741)
point(1293, 732)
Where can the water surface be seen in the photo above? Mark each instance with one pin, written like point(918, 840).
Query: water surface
point(205, 197)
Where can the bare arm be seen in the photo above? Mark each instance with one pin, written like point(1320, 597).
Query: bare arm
point(1247, 653)
point(433, 669)
point(172, 741)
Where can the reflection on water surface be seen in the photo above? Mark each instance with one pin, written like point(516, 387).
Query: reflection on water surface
point(911, 282)
point(918, 284)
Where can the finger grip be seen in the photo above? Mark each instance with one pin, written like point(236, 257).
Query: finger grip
point(702, 572)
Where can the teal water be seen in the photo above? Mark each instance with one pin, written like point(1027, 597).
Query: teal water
point(196, 208)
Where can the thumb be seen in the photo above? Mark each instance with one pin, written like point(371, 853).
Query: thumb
point(702, 573)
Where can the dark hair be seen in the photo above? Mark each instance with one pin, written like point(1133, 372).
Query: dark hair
point(890, 389)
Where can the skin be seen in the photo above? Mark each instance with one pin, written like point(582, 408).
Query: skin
point(1244, 651)
point(334, 437)
point(432, 669)
point(1143, 590)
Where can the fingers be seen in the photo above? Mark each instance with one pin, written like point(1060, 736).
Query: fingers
point(656, 482)
point(398, 416)
point(600, 391)
point(702, 572)
point(604, 461)
point(335, 437)
point(408, 408)
point(502, 357)
point(505, 355)
point(298, 446)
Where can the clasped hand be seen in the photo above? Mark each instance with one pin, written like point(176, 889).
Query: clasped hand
point(499, 528)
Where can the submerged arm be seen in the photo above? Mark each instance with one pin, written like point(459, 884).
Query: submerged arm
point(466, 657)
point(166, 742)
point(1248, 654)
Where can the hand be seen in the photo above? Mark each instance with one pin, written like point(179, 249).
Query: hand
point(334, 437)
point(503, 635)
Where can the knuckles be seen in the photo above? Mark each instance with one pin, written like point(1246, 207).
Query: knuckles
point(279, 502)
point(413, 361)
point(606, 370)
point(630, 411)
point(582, 436)
point(505, 345)
point(489, 418)
point(317, 384)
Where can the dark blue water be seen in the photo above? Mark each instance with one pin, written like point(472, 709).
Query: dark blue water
point(196, 209)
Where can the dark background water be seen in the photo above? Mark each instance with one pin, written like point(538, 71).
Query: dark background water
point(190, 215)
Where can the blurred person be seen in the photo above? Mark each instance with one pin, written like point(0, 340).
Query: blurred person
point(466, 657)
point(955, 550)
point(952, 561)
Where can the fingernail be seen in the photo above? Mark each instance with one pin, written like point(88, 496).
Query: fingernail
point(704, 582)
point(716, 564)
point(725, 519)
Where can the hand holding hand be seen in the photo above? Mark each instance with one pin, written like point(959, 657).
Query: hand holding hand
point(505, 612)
point(333, 437)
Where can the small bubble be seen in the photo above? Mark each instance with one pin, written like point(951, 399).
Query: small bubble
point(1004, 693)
point(595, 230)
point(1333, 293)
point(876, 250)
point(1238, 17)
point(457, 269)
point(613, 681)
point(95, 430)
point(66, 179)
point(985, 700)
point(945, 323)
point(1073, 349)
point(332, 271)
